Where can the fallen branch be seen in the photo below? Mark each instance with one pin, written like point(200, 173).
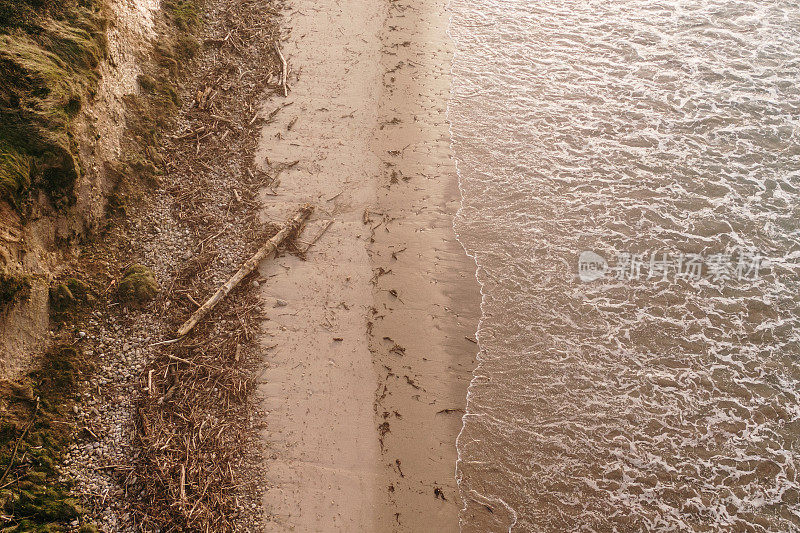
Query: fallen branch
point(183, 486)
point(291, 227)
point(284, 70)
point(320, 234)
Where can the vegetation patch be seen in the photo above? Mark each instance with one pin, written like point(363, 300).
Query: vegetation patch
point(13, 287)
point(138, 285)
point(61, 298)
point(185, 14)
point(49, 54)
point(69, 300)
point(34, 434)
point(15, 171)
point(79, 289)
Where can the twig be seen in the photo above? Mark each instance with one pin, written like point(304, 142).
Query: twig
point(183, 485)
point(171, 341)
point(189, 297)
point(182, 360)
point(190, 134)
point(201, 243)
point(319, 235)
point(284, 70)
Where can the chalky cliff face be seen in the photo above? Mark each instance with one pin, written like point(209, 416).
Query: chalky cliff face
point(629, 174)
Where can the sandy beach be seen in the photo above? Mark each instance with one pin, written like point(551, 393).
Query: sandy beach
point(367, 343)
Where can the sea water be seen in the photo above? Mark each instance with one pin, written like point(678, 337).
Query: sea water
point(630, 178)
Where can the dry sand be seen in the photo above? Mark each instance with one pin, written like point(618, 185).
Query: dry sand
point(366, 344)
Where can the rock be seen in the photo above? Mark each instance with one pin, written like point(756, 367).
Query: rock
point(138, 285)
point(281, 303)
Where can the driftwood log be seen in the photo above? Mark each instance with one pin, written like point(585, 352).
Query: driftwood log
point(291, 227)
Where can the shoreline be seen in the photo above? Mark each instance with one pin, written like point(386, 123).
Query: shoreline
point(368, 360)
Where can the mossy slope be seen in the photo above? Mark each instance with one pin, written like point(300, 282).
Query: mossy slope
point(33, 437)
point(49, 56)
point(13, 287)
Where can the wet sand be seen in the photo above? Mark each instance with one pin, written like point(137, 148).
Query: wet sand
point(366, 344)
